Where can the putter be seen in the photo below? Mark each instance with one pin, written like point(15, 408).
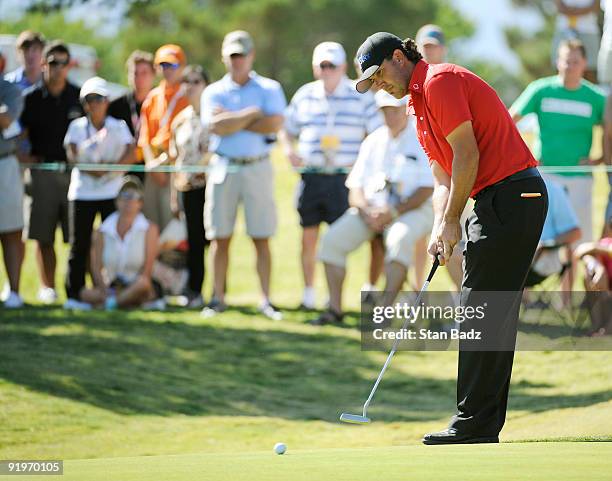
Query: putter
point(363, 418)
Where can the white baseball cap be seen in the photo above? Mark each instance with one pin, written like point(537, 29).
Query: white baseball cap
point(94, 85)
point(430, 34)
point(331, 52)
point(237, 42)
point(384, 99)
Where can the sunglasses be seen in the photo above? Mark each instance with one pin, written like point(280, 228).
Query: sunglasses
point(130, 195)
point(329, 66)
point(94, 98)
point(193, 81)
point(168, 65)
point(58, 63)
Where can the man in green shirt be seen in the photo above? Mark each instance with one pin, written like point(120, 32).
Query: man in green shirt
point(567, 108)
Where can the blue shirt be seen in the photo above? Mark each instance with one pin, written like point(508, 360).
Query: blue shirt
point(18, 77)
point(12, 102)
point(345, 115)
point(262, 92)
point(561, 217)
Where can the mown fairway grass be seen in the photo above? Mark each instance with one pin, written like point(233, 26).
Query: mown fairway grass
point(220, 392)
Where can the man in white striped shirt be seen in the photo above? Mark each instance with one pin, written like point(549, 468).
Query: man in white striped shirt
point(329, 121)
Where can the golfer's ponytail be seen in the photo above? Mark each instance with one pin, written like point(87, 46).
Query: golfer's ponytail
point(411, 51)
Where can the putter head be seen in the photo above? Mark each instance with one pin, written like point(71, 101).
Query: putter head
point(354, 418)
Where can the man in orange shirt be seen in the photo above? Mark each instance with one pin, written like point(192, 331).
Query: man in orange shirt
point(158, 110)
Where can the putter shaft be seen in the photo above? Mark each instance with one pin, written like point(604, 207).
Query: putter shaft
point(434, 267)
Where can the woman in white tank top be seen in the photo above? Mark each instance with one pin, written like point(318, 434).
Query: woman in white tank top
point(124, 250)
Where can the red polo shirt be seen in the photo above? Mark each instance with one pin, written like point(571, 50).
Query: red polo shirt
point(444, 96)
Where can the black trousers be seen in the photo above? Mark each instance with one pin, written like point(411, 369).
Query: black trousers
point(193, 205)
point(81, 217)
point(503, 233)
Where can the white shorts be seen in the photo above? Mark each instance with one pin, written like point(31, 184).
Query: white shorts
point(11, 195)
point(350, 231)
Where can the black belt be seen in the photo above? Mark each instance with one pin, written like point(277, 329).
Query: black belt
point(7, 154)
point(247, 160)
point(520, 175)
point(324, 171)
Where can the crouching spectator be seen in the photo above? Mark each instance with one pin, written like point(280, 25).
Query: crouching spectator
point(597, 258)
point(553, 255)
point(124, 250)
point(390, 189)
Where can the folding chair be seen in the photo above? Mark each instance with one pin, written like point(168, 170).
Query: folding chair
point(551, 264)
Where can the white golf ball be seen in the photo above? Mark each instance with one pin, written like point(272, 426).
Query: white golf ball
point(280, 448)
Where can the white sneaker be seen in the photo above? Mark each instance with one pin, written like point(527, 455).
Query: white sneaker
point(307, 305)
point(76, 305)
point(270, 311)
point(47, 295)
point(13, 301)
point(6, 292)
point(309, 298)
point(156, 305)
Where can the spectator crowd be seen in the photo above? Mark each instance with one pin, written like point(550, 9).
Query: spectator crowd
point(363, 172)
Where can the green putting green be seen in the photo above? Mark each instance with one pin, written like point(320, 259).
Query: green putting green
point(577, 461)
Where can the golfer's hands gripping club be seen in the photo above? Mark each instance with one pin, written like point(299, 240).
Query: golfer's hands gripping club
point(445, 236)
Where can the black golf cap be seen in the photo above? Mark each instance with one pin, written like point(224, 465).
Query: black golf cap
point(371, 55)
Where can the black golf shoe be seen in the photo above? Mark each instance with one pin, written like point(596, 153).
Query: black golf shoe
point(452, 436)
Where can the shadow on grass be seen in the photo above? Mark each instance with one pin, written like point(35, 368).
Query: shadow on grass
point(351, 319)
point(174, 363)
point(551, 324)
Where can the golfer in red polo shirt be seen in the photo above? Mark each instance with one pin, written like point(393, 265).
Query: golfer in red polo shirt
point(475, 151)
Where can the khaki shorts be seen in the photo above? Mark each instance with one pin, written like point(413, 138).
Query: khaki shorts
point(253, 185)
point(580, 191)
point(156, 202)
point(49, 205)
point(350, 231)
point(11, 195)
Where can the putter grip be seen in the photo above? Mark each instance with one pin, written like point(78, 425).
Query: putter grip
point(434, 267)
